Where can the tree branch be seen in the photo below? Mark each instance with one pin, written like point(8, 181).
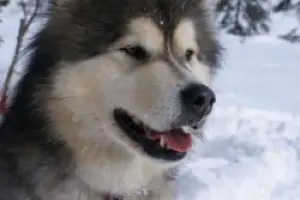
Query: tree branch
point(25, 23)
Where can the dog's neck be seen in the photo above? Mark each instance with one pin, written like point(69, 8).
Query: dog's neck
point(169, 176)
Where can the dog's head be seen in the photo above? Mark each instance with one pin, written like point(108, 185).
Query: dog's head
point(132, 73)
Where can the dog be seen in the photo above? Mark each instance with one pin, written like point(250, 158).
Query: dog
point(109, 98)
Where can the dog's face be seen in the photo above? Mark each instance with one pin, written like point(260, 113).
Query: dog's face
point(144, 84)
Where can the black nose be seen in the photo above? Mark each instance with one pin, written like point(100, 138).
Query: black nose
point(198, 98)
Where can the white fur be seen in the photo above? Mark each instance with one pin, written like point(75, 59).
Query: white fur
point(85, 94)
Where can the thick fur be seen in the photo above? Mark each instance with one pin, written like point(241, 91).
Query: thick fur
point(59, 140)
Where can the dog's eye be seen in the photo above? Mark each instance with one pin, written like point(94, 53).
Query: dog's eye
point(137, 52)
point(189, 53)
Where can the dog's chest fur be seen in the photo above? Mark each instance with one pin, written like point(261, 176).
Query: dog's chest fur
point(75, 189)
point(118, 177)
point(120, 181)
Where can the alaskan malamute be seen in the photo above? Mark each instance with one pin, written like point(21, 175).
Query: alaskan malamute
point(108, 96)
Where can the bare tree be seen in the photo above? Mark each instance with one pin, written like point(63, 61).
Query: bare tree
point(243, 17)
point(2, 4)
point(1, 40)
point(286, 5)
point(290, 6)
point(30, 10)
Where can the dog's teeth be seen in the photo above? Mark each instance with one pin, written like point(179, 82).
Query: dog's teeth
point(162, 142)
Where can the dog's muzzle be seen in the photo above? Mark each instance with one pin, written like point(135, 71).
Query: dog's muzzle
point(173, 143)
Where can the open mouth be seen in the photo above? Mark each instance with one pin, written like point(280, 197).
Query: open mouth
point(168, 145)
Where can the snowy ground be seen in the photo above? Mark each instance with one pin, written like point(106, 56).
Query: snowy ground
point(252, 145)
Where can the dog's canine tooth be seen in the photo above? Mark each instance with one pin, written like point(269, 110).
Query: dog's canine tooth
point(162, 142)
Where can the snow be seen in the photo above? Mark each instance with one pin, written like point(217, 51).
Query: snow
point(252, 144)
point(248, 154)
point(260, 73)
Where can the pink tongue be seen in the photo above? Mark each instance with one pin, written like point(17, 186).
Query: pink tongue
point(177, 141)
